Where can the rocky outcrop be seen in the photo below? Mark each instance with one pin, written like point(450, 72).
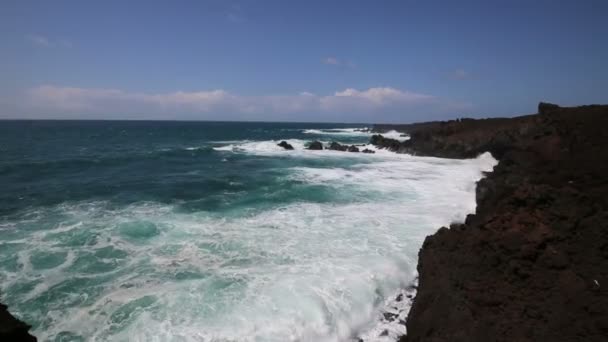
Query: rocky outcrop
point(315, 145)
point(12, 329)
point(545, 108)
point(367, 150)
point(532, 263)
point(353, 148)
point(284, 144)
point(334, 146)
point(390, 144)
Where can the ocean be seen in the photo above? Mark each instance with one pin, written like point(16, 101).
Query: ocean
point(209, 231)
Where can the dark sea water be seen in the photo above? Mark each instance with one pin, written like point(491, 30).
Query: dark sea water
point(208, 231)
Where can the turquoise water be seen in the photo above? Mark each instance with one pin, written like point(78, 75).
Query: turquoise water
point(182, 231)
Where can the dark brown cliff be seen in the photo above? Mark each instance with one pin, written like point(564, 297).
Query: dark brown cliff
point(532, 263)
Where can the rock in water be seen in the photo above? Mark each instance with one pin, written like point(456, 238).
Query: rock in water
point(353, 148)
point(390, 144)
point(337, 147)
point(315, 145)
point(284, 144)
point(367, 150)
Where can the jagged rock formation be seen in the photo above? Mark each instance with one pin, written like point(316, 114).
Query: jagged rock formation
point(284, 144)
point(315, 145)
point(337, 146)
point(532, 263)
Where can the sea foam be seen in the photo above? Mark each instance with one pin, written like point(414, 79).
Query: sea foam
point(301, 271)
point(357, 132)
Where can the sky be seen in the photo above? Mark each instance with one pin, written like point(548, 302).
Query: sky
point(316, 61)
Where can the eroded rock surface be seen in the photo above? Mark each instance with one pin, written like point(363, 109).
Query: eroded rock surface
point(532, 263)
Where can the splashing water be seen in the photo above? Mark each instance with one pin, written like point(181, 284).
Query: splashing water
point(211, 232)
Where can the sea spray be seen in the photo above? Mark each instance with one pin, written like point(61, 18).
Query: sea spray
point(227, 238)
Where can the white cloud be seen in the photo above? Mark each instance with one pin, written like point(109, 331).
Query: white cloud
point(373, 99)
point(346, 105)
point(337, 62)
point(42, 41)
point(331, 61)
point(38, 40)
point(459, 74)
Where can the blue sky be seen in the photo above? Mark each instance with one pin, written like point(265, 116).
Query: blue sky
point(346, 61)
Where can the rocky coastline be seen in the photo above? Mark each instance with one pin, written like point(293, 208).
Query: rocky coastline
point(532, 263)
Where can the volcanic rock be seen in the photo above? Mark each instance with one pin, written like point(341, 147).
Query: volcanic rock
point(315, 145)
point(337, 147)
point(532, 263)
point(545, 108)
point(285, 145)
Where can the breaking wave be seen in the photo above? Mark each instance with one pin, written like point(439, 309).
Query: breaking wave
point(229, 238)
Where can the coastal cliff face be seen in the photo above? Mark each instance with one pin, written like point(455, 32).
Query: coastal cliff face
point(532, 263)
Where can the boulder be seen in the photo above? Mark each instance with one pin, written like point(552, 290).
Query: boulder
point(337, 147)
point(367, 150)
point(390, 144)
point(315, 145)
point(353, 148)
point(284, 144)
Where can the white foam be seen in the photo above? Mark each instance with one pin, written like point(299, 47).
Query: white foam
point(299, 272)
point(339, 131)
point(262, 147)
point(360, 132)
point(395, 135)
point(271, 148)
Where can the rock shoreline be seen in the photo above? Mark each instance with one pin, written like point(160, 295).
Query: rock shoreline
point(532, 263)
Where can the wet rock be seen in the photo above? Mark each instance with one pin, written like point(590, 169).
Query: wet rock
point(367, 150)
point(284, 144)
point(535, 253)
point(337, 147)
point(389, 316)
point(353, 148)
point(391, 144)
point(315, 145)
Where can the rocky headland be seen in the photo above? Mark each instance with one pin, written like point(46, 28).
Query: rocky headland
point(532, 263)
